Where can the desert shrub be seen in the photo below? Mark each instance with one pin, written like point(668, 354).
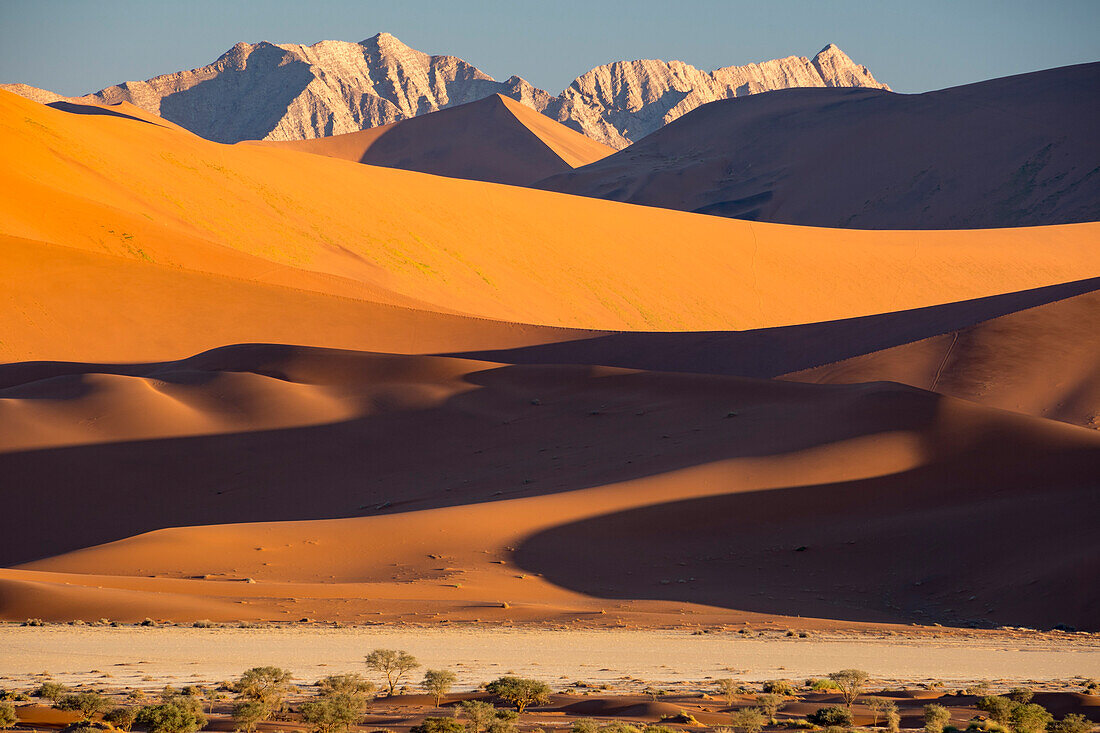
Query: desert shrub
point(8, 718)
point(171, 717)
point(935, 718)
point(502, 726)
point(619, 727)
point(659, 729)
point(267, 686)
point(33, 622)
point(1021, 695)
point(393, 665)
point(52, 691)
point(519, 691)
point(1072, 723)
point(351, 683)
point(748, 720)
point(334, 709)
point(1030, 718)
point(85, 703)
point(879, 707)
point(248, 713)
point(893, 720)
point(836, 729)
point(479, 715)
point(997, 707)
point(832, 715)
point(121, 717)
point(148, 622)
point(682, 717)
point(585, 725)
point(821, 685)
point(978, 689)
point(653, 692)
point(850, 683)
point(438, 725)
point(778, 687)
point(203, 624)
point(770, 703)
point(438, 682)
point(728, 689)
point(798, 723)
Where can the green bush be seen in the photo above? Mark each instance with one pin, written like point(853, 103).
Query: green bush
point(121, 717)
point(997, 707)
point(52, 691)
point(1030, 718)
point(85, 703)
point(438, 725)
point(585, 725)
point(749, 720)
point(822, 685)
point(935, 718)
point(8, 718)
point(1072, 723)
point(778, 687)
point(832, 715)
point(170, 717)
point(519, 691)
point(1021, 695)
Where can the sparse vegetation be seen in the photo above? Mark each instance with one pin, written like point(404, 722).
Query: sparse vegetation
point(8, 718)
point(393, 665)
point(88, 704)
point(770, 703)
point(482, 716)
point(1071, 723)
point(438, 725)
point(438, 682)
point(1030, 718)
point(833, 715)
point(778, 687)
point(728, 689)
point(121, 717)
point(748, 720)
point(52, 691)
point(935, 718)
point(1021, 695)
point(880, 706)
point(849, 683)
point(178, 715)
point(519, 691)
point(998, 708)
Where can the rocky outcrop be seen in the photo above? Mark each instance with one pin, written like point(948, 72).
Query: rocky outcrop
point(265, 91)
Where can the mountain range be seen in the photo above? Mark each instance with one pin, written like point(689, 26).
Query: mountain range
point(266, 91)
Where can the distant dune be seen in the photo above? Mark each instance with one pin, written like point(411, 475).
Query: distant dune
point(495, 139)
point(242, 382)
point(1017, 151)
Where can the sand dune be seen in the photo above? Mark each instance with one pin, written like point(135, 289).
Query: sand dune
point(495, 139)
point(498, 474)
point(151, 194)
point(1016, 151)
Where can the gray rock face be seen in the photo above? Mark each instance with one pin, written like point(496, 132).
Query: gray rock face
point(1010, 152)
point(265, 91)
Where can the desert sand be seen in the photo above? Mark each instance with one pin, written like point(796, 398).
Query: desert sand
point(253, 383)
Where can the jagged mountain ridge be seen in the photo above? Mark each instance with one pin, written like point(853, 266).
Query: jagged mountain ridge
point(266, 91)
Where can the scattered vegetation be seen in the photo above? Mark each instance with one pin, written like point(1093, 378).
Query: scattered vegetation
point(728, 689)
point(88, 704)
point(8, 718)
point(438, 682)
point(770, 703)
point(121, 717)
point(519, 691)
point(748, 720)
point(936, 718)
point(778, 687)
point(849, 683)
point(834, 715)
point(393, 665)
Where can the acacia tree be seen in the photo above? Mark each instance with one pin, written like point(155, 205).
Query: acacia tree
point(519, 691)
point(267, 686)
point(728, 689)
point(175, 716)
point(85, 703)
point(248, 713)
point(439, 682)
point(393, 664)
point(121, 718)
point(880, 706)
point(479, 715)
point(770, 704)
point(850, 682)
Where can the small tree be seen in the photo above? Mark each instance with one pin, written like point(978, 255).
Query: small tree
point(393, 664)
point(8, 718)
point(850, 683)
point(438, 725)
point(1030, 718)
point(1072, 723)
point(267, 686)
point(85, 703)
point(519, 691)
point(318, 714)
point(834, 715)
point(770, 704)
point(998, 708)
point(438, 682)
point(170, 717)
point(728, 689)
point(121, 717)
point(248, 713)
point(893, 720)
point(479, 715)
point(334, 709)
point(1021, 695)
point(879, 707)
point(351, 683)
point(52, 691)
point(748, 720)
point(935, 718)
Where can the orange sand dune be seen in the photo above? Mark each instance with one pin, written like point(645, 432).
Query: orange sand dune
point(1041, 361)
point(532, 486)
point(494, 139)
point(119, 186)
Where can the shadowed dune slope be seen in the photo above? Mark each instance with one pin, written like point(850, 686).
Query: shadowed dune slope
point(565, 471)
point(1016, 151)
point(1033, 351)
point(151, 194)
point(495, 139)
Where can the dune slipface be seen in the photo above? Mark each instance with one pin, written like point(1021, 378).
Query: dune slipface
point(252, 383)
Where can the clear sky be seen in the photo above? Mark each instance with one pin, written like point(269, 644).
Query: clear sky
point(77, 46)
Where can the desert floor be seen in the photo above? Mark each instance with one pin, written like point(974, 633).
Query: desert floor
point(626, 660)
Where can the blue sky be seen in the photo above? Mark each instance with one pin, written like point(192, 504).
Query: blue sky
point(74, 47)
